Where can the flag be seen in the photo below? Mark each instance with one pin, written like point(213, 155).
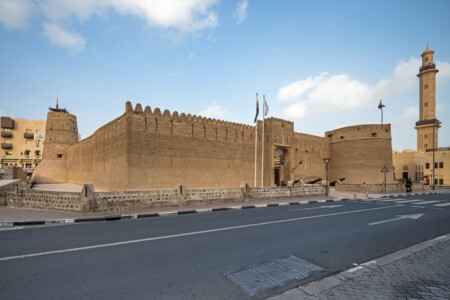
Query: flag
point(300, 162)
point(257, 111)
point(266, 107)
point(381, 105)
point(283, 162)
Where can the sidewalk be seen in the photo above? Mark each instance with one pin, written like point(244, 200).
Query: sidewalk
point(418, 272)
point(15, 216)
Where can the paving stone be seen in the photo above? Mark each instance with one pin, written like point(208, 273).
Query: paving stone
point(421, 274)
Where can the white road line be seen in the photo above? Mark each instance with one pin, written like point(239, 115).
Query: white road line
point(329, 206)
point(427, 202)
point(391, 200)
point(408, 201)
point(10, 228)
point(190, 233)
point(442, 204)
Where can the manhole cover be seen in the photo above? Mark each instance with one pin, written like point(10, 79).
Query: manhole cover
point(272, 274)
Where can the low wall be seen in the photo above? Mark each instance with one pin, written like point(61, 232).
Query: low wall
point(88, 200)
point(377, 188)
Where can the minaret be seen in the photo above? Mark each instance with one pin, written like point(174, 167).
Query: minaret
point(427, 124)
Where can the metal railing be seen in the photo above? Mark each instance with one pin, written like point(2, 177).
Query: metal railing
point(28, 135)
point(7, 134)
point(427, 67)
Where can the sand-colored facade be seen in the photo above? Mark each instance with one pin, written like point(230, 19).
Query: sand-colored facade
point(149, 149)
point(408, 164)
point(22, 143)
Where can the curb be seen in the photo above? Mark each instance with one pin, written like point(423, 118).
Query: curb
point(316, 287)
point(186, 212)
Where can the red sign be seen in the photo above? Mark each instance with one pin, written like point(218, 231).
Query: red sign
point(326, 161)
point(385, 170)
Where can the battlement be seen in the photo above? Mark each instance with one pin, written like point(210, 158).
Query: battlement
point(359, 132)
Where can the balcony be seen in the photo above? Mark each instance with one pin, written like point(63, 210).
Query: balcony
point(427, 67)
point(428, 122)
point(7, 134)
point(28, 135)
point(7, 146)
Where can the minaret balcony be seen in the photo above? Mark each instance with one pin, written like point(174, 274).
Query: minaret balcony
point(428, 122)
point(427, 67)
point(28, 135)
point(7, 146)
point(7, 134)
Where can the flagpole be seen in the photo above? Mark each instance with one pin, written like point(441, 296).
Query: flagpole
point(256, 139)
point(381, 115)
point(262, 152)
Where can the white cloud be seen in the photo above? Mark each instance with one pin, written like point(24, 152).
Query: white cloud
point(177, 18)
point(63, 38)
point(337, 93)
point(409, 116)
point(295, 90)
point(241, 11)
point(14, 14)
point(214, 111)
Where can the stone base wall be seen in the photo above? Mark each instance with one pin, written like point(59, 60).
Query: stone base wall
point(89, 201)
point(47, 200)
point(377, 188)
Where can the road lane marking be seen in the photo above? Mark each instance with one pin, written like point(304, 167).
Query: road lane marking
point(391, 200)
point(328, 206)
point(191, 233)
point(442, 204)
point(408, 201)
point(400, 217)
point(10, 228)
point(427, 202)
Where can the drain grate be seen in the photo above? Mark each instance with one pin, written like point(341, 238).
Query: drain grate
point(272, 274)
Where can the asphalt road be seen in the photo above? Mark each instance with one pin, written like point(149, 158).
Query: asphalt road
point(186, 256)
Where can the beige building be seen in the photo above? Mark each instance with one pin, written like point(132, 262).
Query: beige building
point(21, 143)
point(407, 163)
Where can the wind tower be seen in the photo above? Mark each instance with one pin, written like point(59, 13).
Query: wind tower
point(427, 126)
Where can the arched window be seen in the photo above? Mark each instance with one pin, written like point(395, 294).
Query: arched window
point(27, 153)
point(37, 153)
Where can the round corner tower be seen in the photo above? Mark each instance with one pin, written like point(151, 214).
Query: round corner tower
point(60, 134)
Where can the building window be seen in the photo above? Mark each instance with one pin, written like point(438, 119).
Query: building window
point(425, 136)
point(405, 167)
point(441, 163)
point(441, 181)
point(426, 104)
point(28, 165)
point(37, 153)
point(8, 153)
point(425, 145)
point(435, 165)
point(426, 86)
point(59, 155)
point(427, 165)
point(27, 153)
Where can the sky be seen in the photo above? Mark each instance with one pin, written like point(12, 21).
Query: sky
point(321, 64)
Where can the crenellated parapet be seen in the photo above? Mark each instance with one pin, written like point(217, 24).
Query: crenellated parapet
point(154, 121)
point(359, 132)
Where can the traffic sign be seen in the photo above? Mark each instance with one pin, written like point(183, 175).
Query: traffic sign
point(385, 170)
point(326, 160)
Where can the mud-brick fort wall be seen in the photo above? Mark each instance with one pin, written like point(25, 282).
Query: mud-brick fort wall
point(165, 149)
point(153, 150)
point(359, 153)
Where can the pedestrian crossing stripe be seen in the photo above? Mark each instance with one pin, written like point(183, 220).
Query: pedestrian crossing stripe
point(442, 204)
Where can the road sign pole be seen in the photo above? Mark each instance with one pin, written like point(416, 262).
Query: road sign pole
point(385, 182)
point(326, 188)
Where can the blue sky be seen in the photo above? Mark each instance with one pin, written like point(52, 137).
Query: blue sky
point(321, 64)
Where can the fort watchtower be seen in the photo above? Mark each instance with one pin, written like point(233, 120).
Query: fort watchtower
point(60, 134)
